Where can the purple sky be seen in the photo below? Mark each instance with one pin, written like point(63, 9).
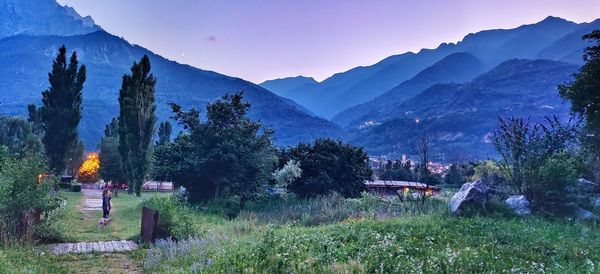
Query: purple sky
point(264, 39)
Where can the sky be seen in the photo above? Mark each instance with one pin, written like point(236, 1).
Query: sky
point(259, 40)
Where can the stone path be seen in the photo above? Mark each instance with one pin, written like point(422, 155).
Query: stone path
point(88, 247)
point(93, 200)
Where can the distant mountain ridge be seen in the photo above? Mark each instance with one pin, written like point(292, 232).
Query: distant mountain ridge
point(284, 85)
point(454, 68)
point(459, 118)
point(362, 84)
point(42, 17)
point(33, 30)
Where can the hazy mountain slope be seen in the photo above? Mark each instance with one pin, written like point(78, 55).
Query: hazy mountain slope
point(492, 47)
point(284, 85)
point(457, 67)
point(459, 117)
point(25, 62)
point(42, 17)
point(570, 47)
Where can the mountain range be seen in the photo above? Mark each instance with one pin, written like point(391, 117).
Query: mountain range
point(459, 118)
point(26, 59)
point(42, 17)
point(453, 94)
point(552, 38)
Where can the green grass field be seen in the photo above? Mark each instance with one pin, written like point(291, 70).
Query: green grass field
point(313, 238)
point(126, 217)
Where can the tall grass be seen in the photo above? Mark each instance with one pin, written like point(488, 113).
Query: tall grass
point(332, 209)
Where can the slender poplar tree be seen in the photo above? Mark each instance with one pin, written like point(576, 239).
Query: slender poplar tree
point(136, 122)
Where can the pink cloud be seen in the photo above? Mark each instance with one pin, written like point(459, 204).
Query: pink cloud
point(211, 39)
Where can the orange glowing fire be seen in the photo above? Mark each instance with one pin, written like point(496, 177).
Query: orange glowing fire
point(88, 172)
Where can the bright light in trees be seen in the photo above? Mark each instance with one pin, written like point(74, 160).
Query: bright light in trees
point(88, 172)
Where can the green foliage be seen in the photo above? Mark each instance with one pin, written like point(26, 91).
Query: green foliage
point(23, 198)
point(396, 171)
point(551, 190)
point(490, 173)
point(291, 210)
point(228, 155)
point(534, 155)
point(329, 166)
point(583, 92)
point(110, 159)
point(432, 243)
point(61, 110)
point(19, 137)
point(76, 188)
point(136, 122)
point(180, 220)
point(164, 133)
point(29, 259)
point(75, 157)
point(288, 173)
point(454, 176)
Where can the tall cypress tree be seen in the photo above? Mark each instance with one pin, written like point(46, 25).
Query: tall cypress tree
point(62, 107)
point(164, 133)
point(136, 122)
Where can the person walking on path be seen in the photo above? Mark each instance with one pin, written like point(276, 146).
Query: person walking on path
point(106, 207)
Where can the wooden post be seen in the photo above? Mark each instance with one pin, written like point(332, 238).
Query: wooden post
point(149, 228)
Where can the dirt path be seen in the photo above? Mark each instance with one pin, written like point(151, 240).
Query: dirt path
point(97, 256)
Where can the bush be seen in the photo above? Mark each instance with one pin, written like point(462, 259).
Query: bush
point(25, 197)
point(538, 161)
point(76, 188)
point(64, 185)
point(552, 191)
point(178, 219)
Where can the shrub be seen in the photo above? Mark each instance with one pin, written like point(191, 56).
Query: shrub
point(76, 188)
point(552, 190)
point(64, 185)
point(26, 196)
point(538, 160)
point(178, 219)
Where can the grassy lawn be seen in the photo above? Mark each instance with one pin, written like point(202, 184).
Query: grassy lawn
point(436, 242)
point(126, 217)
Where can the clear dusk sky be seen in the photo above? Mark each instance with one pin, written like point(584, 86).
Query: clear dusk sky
point(265, 39)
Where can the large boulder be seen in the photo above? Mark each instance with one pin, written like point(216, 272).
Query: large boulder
point(581, 214)
point(471, 196)
point(518, 204)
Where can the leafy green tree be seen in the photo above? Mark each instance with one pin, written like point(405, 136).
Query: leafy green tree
point(35, 118)
point(61, 110)
point(329, 166)
point(164, 133)
point(75, 157)
point(228, 155)
point(584, 95)
point(136, 122)
point(110, 159)
point(454, 176)
point(396, 171)
point(19, 138)
point(584, 92)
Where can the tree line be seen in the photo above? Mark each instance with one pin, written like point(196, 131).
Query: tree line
point(227, 154)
